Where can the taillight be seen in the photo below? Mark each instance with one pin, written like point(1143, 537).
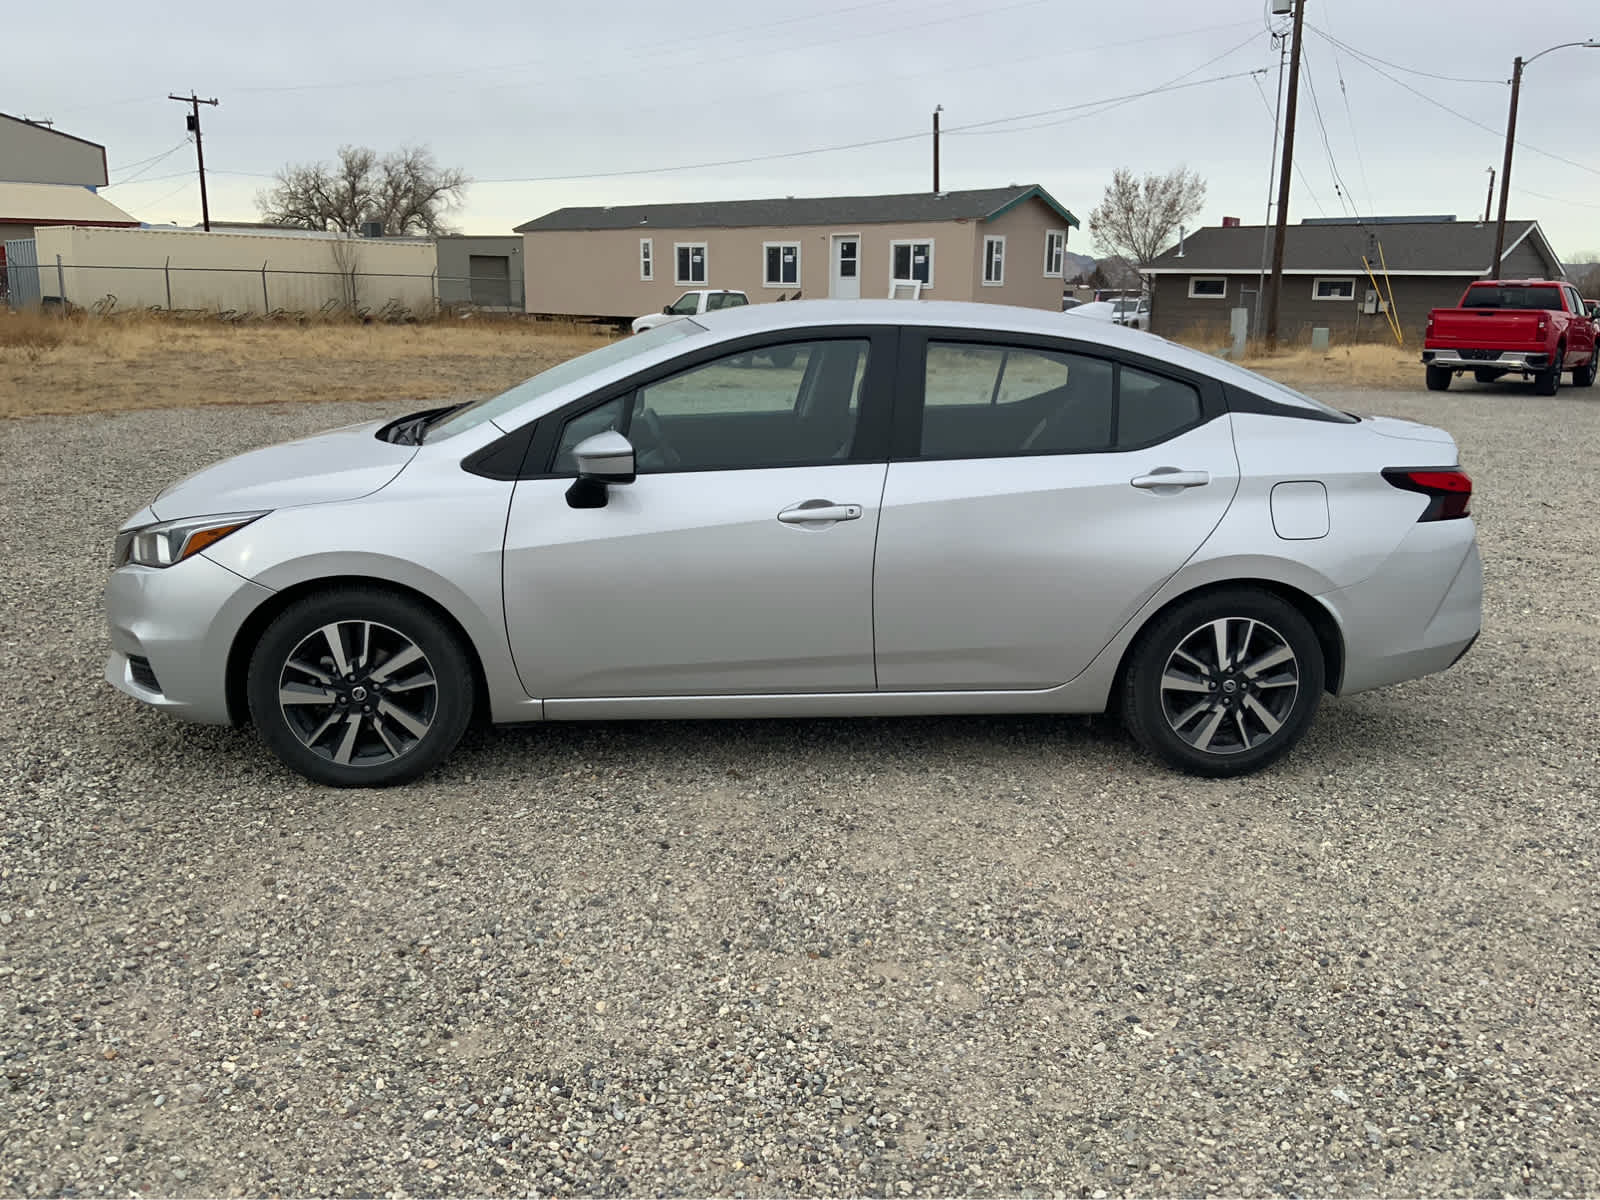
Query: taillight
point(1544, 325)
point(1449, 492)
point(1429, 330)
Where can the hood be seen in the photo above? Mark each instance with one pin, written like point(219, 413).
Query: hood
point(342, 464)
point(1410, 431)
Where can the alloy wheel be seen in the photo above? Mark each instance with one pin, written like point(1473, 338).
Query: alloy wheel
point(358, 693)
point(1230, 685)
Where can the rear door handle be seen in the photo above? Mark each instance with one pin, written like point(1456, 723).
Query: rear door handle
point(809, 512)
point(1171, 477)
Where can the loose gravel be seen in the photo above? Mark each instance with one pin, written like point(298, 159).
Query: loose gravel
point(909, 957)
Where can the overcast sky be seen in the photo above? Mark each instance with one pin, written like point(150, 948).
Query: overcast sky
point(528, 91)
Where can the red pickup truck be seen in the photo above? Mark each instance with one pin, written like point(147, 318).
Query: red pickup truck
point(1527, 327)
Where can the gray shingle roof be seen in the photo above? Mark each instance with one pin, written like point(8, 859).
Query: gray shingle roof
point(1441, 246)
point(977, 205)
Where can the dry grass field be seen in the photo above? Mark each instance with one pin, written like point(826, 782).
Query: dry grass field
point(51, 366)
point(55, 366)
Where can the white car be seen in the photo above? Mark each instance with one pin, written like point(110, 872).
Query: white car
point(692, 304)
point(821, 509)
point(1130, 311)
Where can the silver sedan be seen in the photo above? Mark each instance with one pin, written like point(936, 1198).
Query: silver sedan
point(824, 509)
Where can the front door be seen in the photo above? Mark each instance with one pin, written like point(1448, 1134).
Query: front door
point(1025, 522)
point(740, 559)
point(845, 281)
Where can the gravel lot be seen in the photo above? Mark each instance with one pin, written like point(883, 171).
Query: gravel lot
point(877, 957)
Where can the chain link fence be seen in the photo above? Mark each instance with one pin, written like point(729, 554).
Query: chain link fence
point(237, 293)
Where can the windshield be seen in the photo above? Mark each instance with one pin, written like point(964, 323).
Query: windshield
point(562, 374)
point(1490, 295)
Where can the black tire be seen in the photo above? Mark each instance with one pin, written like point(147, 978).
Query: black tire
point(398, 705)
point(1584, 376)
point(1486, 376)
point(1548, 383)
point(1264, 712)
point(1438, 378)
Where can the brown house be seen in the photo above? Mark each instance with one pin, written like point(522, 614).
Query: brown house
point(1003, 245)
point(1430, 261)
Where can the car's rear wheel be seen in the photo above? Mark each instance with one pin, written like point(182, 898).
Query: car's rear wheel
point(1584, 376)
point(1225, 683)
point(1548, 383)
point(1438, 378)
point(360, 687)
point(1485, 376)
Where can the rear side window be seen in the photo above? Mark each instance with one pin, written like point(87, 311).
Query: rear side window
point(999, 401)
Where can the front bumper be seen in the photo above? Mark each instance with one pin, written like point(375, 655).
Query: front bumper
point(1512, 361)
point(171, 632)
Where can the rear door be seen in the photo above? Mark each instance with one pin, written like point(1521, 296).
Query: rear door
point(1036, 497)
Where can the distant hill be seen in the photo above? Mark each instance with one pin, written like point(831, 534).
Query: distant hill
point(1077, 264)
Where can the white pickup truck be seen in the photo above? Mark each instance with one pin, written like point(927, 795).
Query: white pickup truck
point(691, 304)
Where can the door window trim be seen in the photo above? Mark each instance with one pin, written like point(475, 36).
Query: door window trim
point(911, 386)
point(873, 422)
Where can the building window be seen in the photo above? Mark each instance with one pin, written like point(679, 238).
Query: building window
point(691, 262)
point(911, 261)
point(647, 260)
point(782, 264)
point(994, 261)
point(1333, 289)
point(1055, 252)
point(1208, 287)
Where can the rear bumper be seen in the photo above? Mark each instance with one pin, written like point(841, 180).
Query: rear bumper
point(1525, 362)
point(1418, 614)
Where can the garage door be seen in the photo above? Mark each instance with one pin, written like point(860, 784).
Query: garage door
point(491, 280)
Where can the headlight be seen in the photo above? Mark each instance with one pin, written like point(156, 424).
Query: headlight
point(169, 542)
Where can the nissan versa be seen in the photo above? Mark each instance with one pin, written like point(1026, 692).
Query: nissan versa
point(826, 508)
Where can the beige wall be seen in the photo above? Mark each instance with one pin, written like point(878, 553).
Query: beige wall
point(302, 271)
point(596, 272)
point(29, 154)
point(1025, 284)
point(10, 231)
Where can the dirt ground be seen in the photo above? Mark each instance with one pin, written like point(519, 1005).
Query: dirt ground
point(51, 367)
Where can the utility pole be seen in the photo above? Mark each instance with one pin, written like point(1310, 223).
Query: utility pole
point(937, 109)
point(1275, 282)
point(193, 121)
point(1489, 199)
point(1505, 171)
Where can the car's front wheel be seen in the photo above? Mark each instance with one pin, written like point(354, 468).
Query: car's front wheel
point(1225, 683)
point(360, 687)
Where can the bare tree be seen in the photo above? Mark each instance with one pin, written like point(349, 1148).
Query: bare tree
point(1585, 275)
point(407, 190)
point(1137, 219)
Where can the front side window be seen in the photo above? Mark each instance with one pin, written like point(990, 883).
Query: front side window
point(994, 261)
point(647, 265)
point(691, 262)
point(911, 261)
point(686, 305)
point(1055, 252)
point(787, 405)
point(782, 264)
point(1005, 401)
point(1333, 289)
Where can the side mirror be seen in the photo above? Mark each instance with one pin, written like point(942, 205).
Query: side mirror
point(667, 308)
point(603, 459)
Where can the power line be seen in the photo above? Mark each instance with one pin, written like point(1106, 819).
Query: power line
point(148, 163)
point(1408, 70)
point(1346, 202)
point(883, 141)
point(1080, 116)
point(1557, 199)
point(1355, 140)
point(1300, 172)
point(1362, 58)
point(160, 178)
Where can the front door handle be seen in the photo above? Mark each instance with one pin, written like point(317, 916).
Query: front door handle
point(1171, 477)
point(809, 512)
